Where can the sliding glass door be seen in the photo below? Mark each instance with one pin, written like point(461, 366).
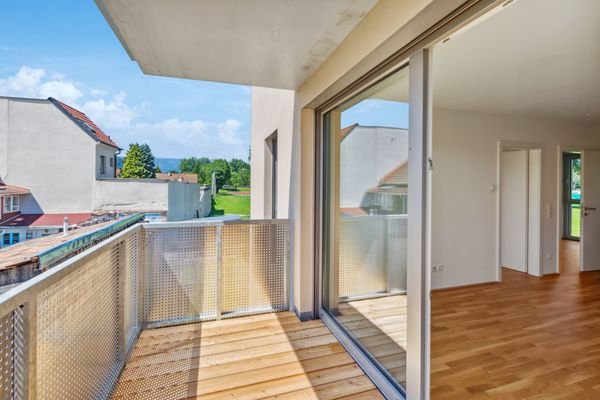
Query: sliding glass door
point(365, 220)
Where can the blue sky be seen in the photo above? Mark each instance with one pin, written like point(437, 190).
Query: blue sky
point(65, 48)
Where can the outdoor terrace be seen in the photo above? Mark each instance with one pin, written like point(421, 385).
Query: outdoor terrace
point(149, 314)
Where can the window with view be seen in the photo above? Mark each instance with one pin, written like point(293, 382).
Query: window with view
point(11, 204)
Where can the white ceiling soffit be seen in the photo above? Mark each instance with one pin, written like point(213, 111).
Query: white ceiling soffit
point(533, 58)
point(271, 43)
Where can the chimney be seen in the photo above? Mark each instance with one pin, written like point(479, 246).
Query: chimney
point(65, 226)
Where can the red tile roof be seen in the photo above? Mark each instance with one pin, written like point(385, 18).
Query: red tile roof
point(37, 220)
point(80, 117)
point(345, 131)
point(9, 190)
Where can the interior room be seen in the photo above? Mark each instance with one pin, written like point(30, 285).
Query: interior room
point(515, 188)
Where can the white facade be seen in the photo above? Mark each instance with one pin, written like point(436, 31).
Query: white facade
point(45, 151)
point(358, 149)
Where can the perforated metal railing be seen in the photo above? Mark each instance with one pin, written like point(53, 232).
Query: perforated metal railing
point(66, 333)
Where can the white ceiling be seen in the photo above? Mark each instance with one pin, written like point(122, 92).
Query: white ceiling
point(535, 58)
point(272, 43)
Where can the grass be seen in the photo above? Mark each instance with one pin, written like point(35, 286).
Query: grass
point(575, 220)
point(230, 202)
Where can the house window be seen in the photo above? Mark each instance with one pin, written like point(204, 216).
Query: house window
point(28, 235)
point(102, 165)
point(10, 238)
point(11, 204)
point(111, 162)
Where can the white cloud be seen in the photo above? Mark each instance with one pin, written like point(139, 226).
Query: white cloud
point(29, 82)
point(113, 114)
point(176, 138)
point(171, 137)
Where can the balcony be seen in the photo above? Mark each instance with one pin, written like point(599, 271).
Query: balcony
point(149, 313)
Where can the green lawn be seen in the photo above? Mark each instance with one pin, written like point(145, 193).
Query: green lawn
point(575, 220)
point(232, 202)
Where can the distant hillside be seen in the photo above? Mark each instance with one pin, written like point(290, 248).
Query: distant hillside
point(165, 164)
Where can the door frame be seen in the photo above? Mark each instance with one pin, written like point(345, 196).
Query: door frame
point(537, 234)
point(564, 200)
point(562, 148)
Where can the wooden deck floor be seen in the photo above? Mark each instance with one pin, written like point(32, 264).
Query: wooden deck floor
point(526, 338)
point(259, 357)
point(380, 325)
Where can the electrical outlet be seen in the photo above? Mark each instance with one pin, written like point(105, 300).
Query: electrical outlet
point(440, 268)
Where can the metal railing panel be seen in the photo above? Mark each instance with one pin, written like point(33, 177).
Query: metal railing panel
point(132, 287)
point(12, 358)
point(255, 268)
point(77, 331)
point(372, 256)
point(181, 271)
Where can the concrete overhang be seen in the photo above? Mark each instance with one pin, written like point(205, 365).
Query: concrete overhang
point(270, 43)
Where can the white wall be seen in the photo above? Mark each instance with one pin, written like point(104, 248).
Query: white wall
point(187, 201)
point(180, 200)
point(465, 146)
point(367, 154)
point(108, 152)
point(131, 195)
point(43, 150)
point(272, 110)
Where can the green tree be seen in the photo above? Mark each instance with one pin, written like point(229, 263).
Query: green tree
point(196, 166)
point(240, 173)
point(138, 162)
point(222, 172)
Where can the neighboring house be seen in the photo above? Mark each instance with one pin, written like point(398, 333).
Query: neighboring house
point(24, 227)
point(56, 152)
point(11, 198)
point(16, 226)
point(368, 154)
point(68, 164)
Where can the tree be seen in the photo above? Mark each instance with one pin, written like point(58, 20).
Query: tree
point(138, 162)
point(222, 172)
point(196, 166)
point(240, 173)
point(157, 169)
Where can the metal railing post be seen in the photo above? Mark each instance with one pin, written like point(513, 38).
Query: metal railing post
point(122, 335)
point(219, 278)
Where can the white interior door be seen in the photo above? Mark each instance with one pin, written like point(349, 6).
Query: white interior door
point(514, 205)
point(590, 210)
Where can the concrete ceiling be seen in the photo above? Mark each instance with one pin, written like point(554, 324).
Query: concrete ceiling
point(535, 58)
point(271, 43)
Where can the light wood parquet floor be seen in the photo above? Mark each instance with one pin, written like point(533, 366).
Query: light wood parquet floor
point(525, 338)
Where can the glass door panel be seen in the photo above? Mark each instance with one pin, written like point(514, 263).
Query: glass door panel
point(572, 195)
point(365, 221)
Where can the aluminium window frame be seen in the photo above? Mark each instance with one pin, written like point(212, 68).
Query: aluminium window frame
point(418, 54)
